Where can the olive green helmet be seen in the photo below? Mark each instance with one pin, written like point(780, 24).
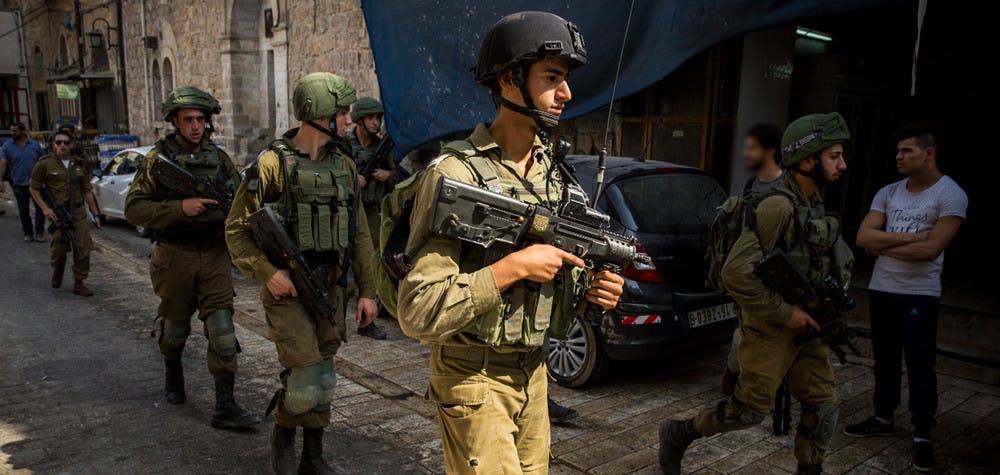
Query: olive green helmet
point(189, 97)
point(319, 95)
point(812, 134)
point(365, 107)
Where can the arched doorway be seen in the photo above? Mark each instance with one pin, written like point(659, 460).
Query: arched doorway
point(168, 76)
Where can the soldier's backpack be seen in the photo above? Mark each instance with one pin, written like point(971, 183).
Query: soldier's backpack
point(730, 219)
point(391, 260)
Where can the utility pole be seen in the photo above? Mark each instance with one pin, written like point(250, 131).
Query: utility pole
point(78, 20)
point(122, 83)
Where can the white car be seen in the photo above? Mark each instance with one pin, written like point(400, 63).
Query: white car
point(112, 183)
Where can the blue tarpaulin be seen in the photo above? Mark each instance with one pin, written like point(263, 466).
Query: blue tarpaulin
point(424, 50)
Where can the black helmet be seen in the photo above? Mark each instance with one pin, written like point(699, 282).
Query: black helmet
point(521, 38)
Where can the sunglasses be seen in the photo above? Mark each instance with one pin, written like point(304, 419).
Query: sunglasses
point(61, 142)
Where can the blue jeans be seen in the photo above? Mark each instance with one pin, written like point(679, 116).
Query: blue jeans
point(24, 203)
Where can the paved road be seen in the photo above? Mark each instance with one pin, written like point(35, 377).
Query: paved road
point(80, 382)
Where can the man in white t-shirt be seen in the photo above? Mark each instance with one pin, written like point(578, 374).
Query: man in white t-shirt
point(908, 227)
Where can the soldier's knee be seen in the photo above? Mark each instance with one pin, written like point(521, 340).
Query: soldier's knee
point(173, 333)
point(820, 427)
point(304, 388)
point(735, 415)
point(221, 333)
point(328, 381)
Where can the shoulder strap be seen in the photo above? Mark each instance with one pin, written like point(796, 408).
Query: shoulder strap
point(750, 210)
point(749, 184)
point(481, 166)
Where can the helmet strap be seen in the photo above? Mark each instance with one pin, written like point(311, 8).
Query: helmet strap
point(325, 130)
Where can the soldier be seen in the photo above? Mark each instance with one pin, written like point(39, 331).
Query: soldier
point(364, 139)
point(792, 216)
point(69, 186)
point(309, 166)
point(487, 370)
point(190, 266)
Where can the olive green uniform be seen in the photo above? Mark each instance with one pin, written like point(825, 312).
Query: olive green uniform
point(487, 371)
point(50, 173)
point(768, 352)
point(189, 267)
point(373, 191)
point(306, 344)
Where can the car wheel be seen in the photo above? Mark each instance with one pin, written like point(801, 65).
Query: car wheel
point(577, 360)
point(143, 232)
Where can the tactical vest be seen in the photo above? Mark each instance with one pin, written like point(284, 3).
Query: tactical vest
point(818, 249)
point(373, 191)
point(316, 202)
point(528, 309)
point(208, 226)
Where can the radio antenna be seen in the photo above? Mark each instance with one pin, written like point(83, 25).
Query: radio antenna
point(603, 155)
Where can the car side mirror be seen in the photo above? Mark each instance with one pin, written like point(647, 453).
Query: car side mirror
point(96, 172)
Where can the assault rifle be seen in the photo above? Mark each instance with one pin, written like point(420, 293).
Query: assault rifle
point(311, 284)
point(64, 221)
point(178, 180)
point(379, 159)
point(828, 306)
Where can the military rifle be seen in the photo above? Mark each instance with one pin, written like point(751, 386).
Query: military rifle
point(178, 180)
point(379, 159)
point(828, 305)
point(311, 284)
point(64, 221)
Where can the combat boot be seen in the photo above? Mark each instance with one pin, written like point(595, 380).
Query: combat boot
point(175, 380)
point(312, 462)
point(57, 276)
point(228, 414)
point(675, 437)
point(559, 413)
point(80, 289)
point(814, 469)
point(283, 450)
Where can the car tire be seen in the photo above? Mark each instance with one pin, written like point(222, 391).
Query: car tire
point(143, 232)
point(578, 360)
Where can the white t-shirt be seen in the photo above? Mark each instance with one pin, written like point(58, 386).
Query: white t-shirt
point(907, 212)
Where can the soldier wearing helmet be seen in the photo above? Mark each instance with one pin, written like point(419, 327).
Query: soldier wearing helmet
point(190, 266)
point(308, 177)
point(793, 217)
point(364, 140)
point(487, 317)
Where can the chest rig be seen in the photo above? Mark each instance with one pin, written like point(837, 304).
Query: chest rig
point(528, 309)
point(207, 163)
point(816, 246)
point(316, 203)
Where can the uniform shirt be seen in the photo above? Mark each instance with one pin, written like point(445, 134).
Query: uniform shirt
point(775, 219)
point(52, 174)
point(907, 212)
point(143, 207)
point(247, 256)
point(21, 159)
point(373, 191)
point(436, 300)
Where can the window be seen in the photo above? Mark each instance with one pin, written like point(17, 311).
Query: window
point(157, 92)
point(168, 76)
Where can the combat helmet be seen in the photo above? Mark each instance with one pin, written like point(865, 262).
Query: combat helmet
point(812, 134)
point(365, 107)
point(320, 95)
point(189, 97)
point(518, 40)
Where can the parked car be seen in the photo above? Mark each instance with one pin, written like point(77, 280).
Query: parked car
point(666, 305)
point(111, 183)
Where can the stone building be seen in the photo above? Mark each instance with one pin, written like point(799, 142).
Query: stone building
point(248, 53)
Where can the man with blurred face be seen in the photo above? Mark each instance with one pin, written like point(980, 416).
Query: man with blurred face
point(18, 156)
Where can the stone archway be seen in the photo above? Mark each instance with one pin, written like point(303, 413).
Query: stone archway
point(243, 122)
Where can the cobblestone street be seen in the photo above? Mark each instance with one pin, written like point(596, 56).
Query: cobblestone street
point(81, 392)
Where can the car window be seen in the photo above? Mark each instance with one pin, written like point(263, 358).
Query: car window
point(671, 203)
point(130, 164)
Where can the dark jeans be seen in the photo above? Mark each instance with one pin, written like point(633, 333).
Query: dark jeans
point(905, 325)
point(24, 203)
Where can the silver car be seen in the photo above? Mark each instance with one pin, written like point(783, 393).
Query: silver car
point(111, 184)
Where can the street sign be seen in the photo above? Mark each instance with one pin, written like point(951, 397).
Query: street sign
point(67, 91)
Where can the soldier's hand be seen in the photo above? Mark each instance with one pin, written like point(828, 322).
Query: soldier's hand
point(800, 319)
point(367, 311)
point(380, 174)
point(50, 214)
point(361, 181)
point(280, 285)
point(605, 289)
point(541, 262)
point(97, 221)
point(194, 206)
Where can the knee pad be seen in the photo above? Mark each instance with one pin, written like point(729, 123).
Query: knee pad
point(825, 420)
point(304, 388)
point(740, 416)
point(328, 380)
point(221, 333)
point(173, 333)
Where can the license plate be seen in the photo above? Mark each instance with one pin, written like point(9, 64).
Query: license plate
point(705, 316)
